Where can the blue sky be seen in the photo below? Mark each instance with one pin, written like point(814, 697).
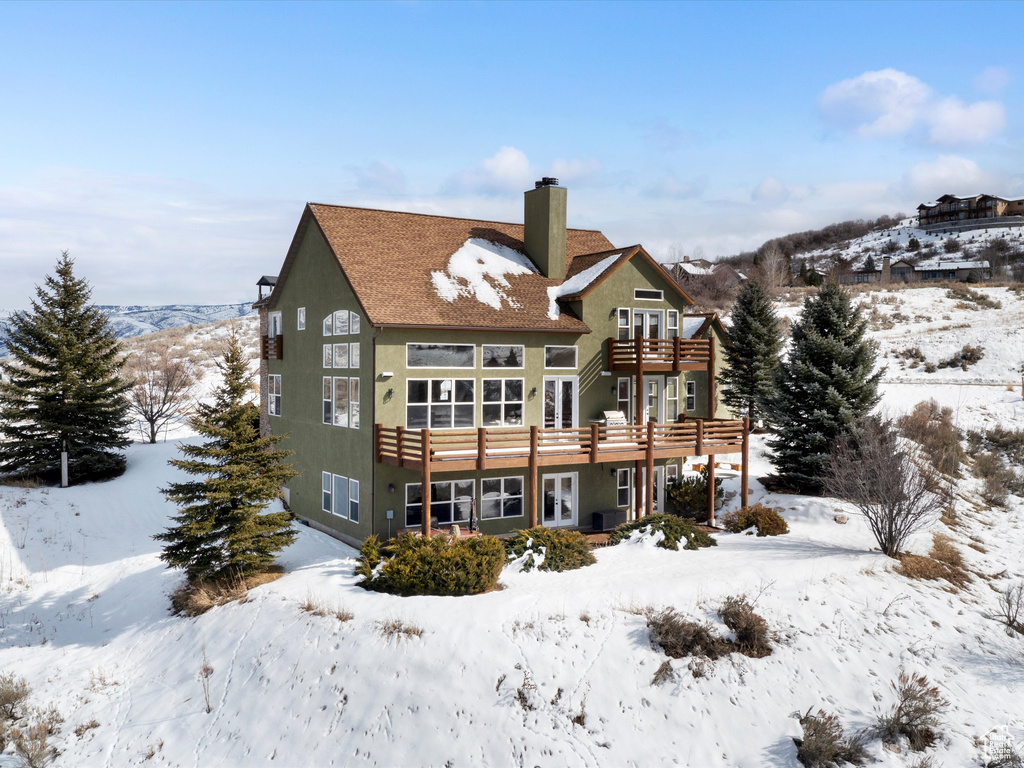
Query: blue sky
point(171, 147)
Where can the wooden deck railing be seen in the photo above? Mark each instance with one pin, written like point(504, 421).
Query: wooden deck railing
point(467, 449)
point(660, 354)
point(272, 349)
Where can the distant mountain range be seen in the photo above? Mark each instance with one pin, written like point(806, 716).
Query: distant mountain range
point(136, 320)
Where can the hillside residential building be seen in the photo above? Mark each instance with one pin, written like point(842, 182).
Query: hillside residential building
point(902, 271)
point(432, 371)
point(950, 208)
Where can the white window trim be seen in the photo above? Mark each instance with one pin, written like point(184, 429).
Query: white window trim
point(521, 496)
point(328, 383)
point(326, 479)
point(503, 402)
point(274, 322)
point(629, 396)
point(453, 379)
point(628, 486)
point(661, 294)
point(576, 357)
point(335, 358)
point(671, 323)
point(353, 497)
point(438, 367)
point(405, 503)
point(353, 323)
point(328, 352)
point(353, 402)
point(328, 325)
point(575, 395)
point(623, 313)
point(273, 399)
point(334, 496)
point(691, 386)
point(300, 320)
point(483, 356)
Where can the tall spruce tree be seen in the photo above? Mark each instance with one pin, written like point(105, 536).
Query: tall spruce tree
point(823, 388)
point(753, 352)
point(221, 530)
point(61, 389)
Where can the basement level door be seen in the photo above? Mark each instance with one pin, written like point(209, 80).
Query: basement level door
point(659, 490)
point(560, 499)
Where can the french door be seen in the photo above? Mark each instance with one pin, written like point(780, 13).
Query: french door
point(560, 406)
point(560, 499)
point(647, 323)
point(659, 490)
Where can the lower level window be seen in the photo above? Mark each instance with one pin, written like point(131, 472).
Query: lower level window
point(450, 502)
point(622, 478)
point(501, 497)
point(274, 394)
point(691, 396)
point(340, 496)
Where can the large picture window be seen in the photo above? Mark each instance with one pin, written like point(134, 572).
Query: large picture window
point(439, 403)
point(560, 357)
point(340, 496)
point(274, 394)
point(450, 502)
point(502, 355)
point(501, 497)
point(440, 356)
point(502, 403)
point(341, 401)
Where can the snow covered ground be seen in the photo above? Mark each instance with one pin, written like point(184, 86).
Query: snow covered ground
point(84, 617)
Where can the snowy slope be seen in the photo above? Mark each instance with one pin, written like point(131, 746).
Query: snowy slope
point(136, 320)
point(84, 617)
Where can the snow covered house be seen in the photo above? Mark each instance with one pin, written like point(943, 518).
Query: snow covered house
point(430, 369)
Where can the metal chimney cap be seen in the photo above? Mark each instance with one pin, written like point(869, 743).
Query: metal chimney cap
point(547, 181)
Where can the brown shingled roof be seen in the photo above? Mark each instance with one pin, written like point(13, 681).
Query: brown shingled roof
point(388, 258)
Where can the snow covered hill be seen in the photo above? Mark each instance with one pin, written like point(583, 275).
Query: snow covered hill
point(555, 669)
point(136, 320)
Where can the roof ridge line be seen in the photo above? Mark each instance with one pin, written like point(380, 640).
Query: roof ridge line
point(441, 216)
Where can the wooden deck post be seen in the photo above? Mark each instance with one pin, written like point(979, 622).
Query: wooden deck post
point(699, 447)
point(378, 452)
point(595, 435)
point(676, 355)
point(638, 474)
point(711, 489)
point(425, 484)
point(481, 448)
point(400, 445)
point(745, 472)
point(649, 490)
point(639, 394)
point(534, 446)
point(711, 375)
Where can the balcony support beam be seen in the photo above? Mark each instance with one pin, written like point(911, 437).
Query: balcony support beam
point(425, 484)
point(649, 489)
point(534, 443)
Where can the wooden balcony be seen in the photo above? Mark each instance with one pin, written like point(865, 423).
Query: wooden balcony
point(660, 355)
point(463, 450)
point(272, 349)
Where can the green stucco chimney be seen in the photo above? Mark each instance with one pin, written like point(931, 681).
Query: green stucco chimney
point(544, 225)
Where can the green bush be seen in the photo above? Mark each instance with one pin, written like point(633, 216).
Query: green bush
point(676, 529)
point(563, 550)
point(689, 495)
point(411, 565)
point(767, 520)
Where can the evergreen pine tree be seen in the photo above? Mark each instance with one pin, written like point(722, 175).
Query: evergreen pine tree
point(61, 389)
point(823, 388)
point(221, 530)
point(753, 352)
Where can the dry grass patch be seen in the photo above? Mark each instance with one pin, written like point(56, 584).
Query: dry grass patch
point(317, 606)
point(196, 598)
point(398, 628)
point(679, 637)
point(83, 728)
point(944, 562)
point(751, 630)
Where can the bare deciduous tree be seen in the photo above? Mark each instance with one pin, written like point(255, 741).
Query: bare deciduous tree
point(163, 384)
point(772, 267)
point(872, 471)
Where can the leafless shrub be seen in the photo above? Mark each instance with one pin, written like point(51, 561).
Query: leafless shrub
point(83, 728)
point(32, 745)
point(390, 628)
point(751, 630)
point(824, 744)
point(580, 718)
point(14, 693)
point(931, 427)
point(880, 478)
point(163, 385)
point(1011, 608)
point(523, 692)
point(917, 712)
point(715, 291)
point(679, 637)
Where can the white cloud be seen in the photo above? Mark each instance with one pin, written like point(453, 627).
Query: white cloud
point(992, 80)
point(888, 102)
point(770, 190)
point(379, 177)
point(671, 187)
point(949, 174)
point(508, 170)
point(574, 171)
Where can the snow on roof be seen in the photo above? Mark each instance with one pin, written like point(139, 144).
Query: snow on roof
point(691, 325)
point(478, 270)
point(950, 264)
point(693, 269)
point(577, 283)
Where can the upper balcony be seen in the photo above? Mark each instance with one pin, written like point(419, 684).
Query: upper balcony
point(660, 355)
point(272, 348)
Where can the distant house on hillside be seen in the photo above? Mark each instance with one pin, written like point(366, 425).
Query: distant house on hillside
point(950, 208)
point(483, 374)
point(903, 271)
